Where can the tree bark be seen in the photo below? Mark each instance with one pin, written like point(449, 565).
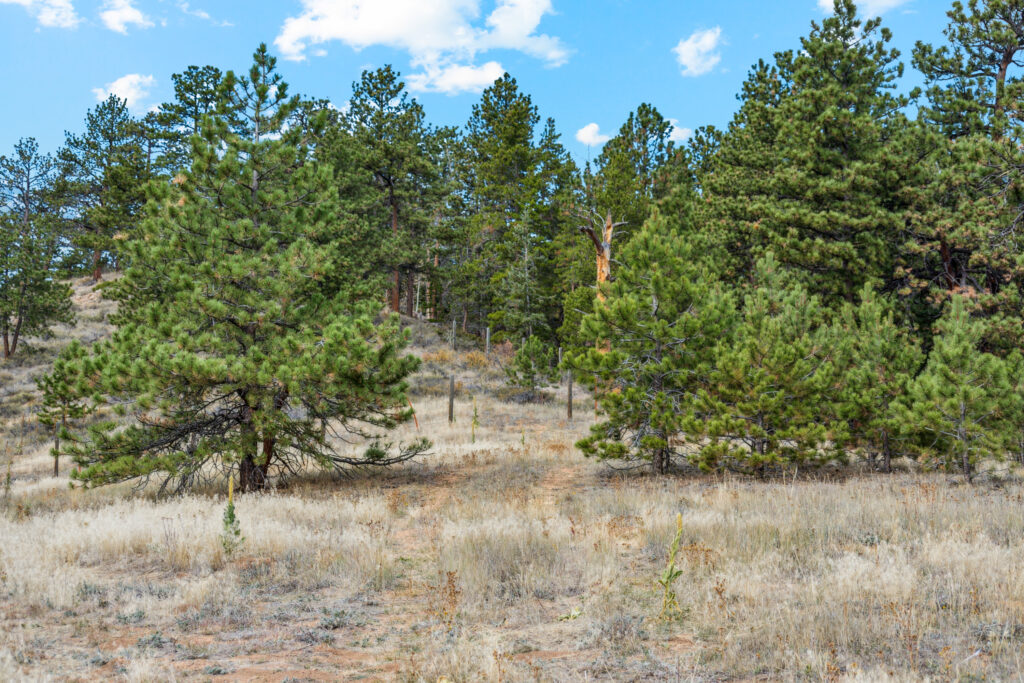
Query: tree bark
point(396, 276)
point(886, 452)
point(410, 293)
point(97, 266)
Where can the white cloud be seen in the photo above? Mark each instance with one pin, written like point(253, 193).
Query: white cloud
point(452, 79)
point(697, 54)
point(50, 13)
point(132, 88)
point(678, 134)
point(866, 8)
point(118, 15)
point(186, 8)
point(442, 37)
point(591, 135)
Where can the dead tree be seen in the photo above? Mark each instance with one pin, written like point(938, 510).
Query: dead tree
point(601, 232)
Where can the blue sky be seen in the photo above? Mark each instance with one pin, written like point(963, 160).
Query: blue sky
point(587, 63)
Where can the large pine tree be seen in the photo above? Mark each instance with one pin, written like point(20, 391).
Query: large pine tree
point(248, 350)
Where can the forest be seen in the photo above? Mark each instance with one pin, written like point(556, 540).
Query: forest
point(796, 341)
point(837, 272)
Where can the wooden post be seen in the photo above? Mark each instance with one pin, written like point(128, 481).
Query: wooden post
point(559, 356)
point(487, 341)
point(568, 408)
point(451, 399)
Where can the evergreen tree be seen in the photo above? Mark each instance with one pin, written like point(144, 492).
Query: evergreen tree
point(632, 172)
point(106, 169)
point(661, 317)
point(812, 173)
point(764, 399)
point(532, 367)
point(197, 94)
point(968, 242)
point(390, 133)
point(252, 353)
point(31, 296)
point(971, 85)
point(66, 391)
point(513, 180)
point(963, 401)
point(879, 359)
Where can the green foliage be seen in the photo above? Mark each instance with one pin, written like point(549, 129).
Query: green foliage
point(651, 341)
point(668, 576)
point(809, 168)
point(106, 169)
point(391, 154)
point(231, 538)
point(633, 170)
point(533, 366)
point(963, 403)
point(878, 360)
point(31, 236)
point(240, 343)
point(67, 395)
point(765, 395)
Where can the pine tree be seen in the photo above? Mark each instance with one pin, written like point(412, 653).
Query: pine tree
point(106, 169)
point(764, 398)
point(963, 401)
point(632, 172)
point(504, 187)
point(197, 94)
point(533, 367)
point(251, 353)
point(879, 360)
point(390, 132)
point(67, 395)
point(967, 243)
point(662, 315)
point(809, 168)
point(31, 296)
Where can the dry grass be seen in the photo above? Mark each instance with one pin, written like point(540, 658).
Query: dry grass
point(512, 558)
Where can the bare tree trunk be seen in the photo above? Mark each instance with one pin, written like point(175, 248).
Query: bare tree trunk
point(396, 276)
point(97, 266)
point(410, 293)
point(886, 452)
point(16, 336)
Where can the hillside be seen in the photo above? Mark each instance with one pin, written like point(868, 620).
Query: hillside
point(508, 557)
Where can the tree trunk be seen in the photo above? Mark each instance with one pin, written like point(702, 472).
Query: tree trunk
point(886, 452)
point(250, 476)
point(396, 276)
point(97, 266)
point(56, 444)
point(410, 293)
point(660, 461)
point(7, 345)
point(16, 336)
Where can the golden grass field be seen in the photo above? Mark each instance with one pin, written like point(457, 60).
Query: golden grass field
point(511, 558)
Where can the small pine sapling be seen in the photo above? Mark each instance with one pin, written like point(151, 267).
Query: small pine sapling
point(231, 538)
point(669, 601)
point(64, 389)
point(532, 368)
